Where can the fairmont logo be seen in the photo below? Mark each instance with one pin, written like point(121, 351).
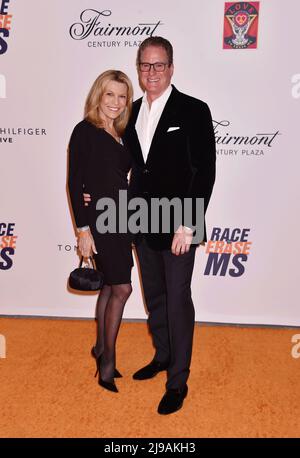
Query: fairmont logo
point(94, 23)
point(244, 145)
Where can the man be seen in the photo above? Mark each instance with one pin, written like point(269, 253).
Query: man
point(172, 140)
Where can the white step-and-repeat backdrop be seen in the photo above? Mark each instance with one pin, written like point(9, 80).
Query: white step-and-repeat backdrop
point(242, 58)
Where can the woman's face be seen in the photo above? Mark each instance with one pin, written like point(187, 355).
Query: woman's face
point(113, 101)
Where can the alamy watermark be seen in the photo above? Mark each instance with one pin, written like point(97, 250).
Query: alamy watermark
point(295, 80)
point(2, 346)
point(296, 348)
point(154, 216)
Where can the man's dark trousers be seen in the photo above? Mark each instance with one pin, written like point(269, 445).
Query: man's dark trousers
point(166, 282)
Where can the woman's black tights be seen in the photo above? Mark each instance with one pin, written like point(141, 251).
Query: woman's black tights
point(109, 312)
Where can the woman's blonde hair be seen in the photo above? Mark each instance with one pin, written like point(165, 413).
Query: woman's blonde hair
point(91, 111)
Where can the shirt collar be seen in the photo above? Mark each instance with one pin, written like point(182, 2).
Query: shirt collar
point(162, 99)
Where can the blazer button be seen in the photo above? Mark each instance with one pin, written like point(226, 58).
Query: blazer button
point(145, 171)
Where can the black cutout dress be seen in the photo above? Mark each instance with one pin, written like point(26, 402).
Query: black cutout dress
point(99, 165)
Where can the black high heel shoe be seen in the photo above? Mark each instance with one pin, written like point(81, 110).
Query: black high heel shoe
point(94, 355)
point(110, 386)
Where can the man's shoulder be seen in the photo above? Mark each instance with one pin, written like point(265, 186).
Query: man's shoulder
point(190, 100)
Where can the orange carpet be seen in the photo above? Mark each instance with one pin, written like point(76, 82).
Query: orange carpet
point(244, 383)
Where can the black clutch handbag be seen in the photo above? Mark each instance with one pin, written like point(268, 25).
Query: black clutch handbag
point(86, 278)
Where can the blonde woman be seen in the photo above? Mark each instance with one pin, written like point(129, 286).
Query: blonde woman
point(99, 164)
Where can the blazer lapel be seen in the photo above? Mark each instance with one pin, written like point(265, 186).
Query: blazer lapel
point(131, 137)
point(167, 115)
point(134, 140)
point(171, 107)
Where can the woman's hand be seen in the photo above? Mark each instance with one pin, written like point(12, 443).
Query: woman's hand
point(86, 244)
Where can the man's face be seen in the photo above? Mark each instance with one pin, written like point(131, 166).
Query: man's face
point(152, 81)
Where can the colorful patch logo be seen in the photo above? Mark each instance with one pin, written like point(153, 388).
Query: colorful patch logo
point(5, 23)
point(7, 245)
point(240, 25)
point(227, 250)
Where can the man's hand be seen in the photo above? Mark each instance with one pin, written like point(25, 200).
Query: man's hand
point(86, 244)
point(87, 199)
point(182, 240)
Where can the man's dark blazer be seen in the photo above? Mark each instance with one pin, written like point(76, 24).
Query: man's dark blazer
point(181, 162)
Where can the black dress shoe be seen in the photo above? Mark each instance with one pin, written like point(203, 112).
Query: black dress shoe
point(110, 386)
point(172, 400)
point(150, 370)
point(94, 355)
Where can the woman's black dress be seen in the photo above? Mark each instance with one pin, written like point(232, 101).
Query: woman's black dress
point(99, 165)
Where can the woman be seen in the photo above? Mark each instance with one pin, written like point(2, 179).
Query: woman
point(99, 164)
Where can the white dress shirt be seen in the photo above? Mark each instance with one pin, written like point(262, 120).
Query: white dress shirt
point(148, 119)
